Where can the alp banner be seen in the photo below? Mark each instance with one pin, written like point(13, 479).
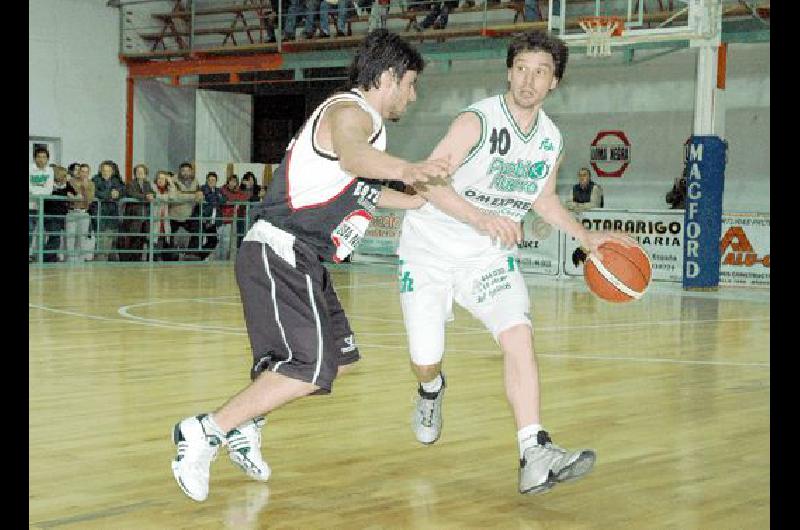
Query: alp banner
point(660, 233)
point(744, 250)
point(539, 251)
point(383, 234)
point(705, 171)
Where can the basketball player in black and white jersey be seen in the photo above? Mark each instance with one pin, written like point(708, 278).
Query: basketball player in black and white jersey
point(317, 209)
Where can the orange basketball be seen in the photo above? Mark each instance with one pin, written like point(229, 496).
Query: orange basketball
point(622, 276)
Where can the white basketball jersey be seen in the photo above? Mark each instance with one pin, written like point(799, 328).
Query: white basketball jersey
point(503, 174)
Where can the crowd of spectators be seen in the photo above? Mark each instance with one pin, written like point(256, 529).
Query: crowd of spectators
point(102, 218)
point(315, 14)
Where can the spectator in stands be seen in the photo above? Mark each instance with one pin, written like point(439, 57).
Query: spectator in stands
point(676, 197)
point(163, 190)
point(109, 188)
point(290, 22)
point(249, 183)
point(186, 195)
point(55, 213)
point(586, 194)
point(378, 15)
point(79, 244)
point(213, 199)
point(40, 182)
point(533, 12)
point(316, 9)
point(73, 169)
point(233, 215)
point(343, 11)
point(438, 16)
point(136, 215)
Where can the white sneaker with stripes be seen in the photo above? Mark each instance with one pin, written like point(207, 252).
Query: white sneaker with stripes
point(244, 449)
point(197, 448)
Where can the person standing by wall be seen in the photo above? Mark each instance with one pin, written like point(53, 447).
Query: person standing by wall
point(109, 188)
point(79, 244)
point(40, 182)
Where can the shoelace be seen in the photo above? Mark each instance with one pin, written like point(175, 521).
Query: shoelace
point(429, 408)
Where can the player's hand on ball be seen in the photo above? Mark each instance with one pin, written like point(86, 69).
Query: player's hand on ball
point(499, 228)
point(425, 171)
point(593, 241)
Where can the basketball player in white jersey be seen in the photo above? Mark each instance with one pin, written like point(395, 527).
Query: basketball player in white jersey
point(505, 153)
point(317, 209)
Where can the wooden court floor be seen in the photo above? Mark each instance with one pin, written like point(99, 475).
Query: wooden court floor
point(672, 392)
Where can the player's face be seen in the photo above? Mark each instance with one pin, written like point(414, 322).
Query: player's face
point(401, 94)
point(531, 77)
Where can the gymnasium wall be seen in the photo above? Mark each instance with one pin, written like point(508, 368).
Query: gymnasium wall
point(76, 82)
point(651, 100)
point(223, 126)
point(163, 125)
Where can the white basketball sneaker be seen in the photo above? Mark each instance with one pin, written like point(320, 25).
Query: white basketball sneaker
point(426, 420)
point(244, 449)
point(197, 447)
point(544, 465)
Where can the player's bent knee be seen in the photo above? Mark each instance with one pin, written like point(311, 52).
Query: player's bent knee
point(515, 335)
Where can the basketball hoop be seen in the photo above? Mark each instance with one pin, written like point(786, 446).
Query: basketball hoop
point(599, 30)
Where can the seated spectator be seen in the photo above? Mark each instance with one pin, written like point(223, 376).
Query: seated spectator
point(342, 14)
point(211, 217)
point(73, 169)
point(55, 213)
point(438, 16)
point(109, 188)
point(186, 195)
point(290, 22)
point(79, 242)
point(40, 183)
point(676, 197)
point(163, 191)
point(136, 219)
point(586, 194)
point(314, 9)
point(233, 215)
point(533, 11)
point(378, 15)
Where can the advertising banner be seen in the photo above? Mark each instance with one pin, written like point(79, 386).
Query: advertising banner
point(744, 250)
point(383, 234)
point(660, 233)
point(539, 252)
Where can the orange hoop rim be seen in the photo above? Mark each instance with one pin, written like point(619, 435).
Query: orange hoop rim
point(598, 21)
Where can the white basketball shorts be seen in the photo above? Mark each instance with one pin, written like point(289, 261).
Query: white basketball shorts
point(492, 290)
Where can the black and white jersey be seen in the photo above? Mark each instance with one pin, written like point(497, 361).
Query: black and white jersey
point(316, 200)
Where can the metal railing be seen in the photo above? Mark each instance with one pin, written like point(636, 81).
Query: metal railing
point(107, 232)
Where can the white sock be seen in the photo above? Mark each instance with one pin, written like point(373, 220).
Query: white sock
point(526, 437)
point(433, 386)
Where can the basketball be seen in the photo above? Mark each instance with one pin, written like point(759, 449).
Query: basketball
point(622, 275)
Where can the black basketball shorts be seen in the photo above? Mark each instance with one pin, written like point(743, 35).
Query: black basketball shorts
point(295, 323)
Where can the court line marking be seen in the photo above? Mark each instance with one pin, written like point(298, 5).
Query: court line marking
point(137, 321)
point(453, 330)
point(100, 514)
point(498, 353)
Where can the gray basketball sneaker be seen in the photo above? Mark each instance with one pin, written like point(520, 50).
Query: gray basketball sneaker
point(544, 465)
point(426, 420)
point(244, 449)
point(197, 446)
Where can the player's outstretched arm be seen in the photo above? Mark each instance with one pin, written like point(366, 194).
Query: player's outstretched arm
point(549, 207)
point(402, 201)
point(351, 128)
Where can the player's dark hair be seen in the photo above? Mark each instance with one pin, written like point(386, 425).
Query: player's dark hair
point(539, 41)
point(379, 51)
